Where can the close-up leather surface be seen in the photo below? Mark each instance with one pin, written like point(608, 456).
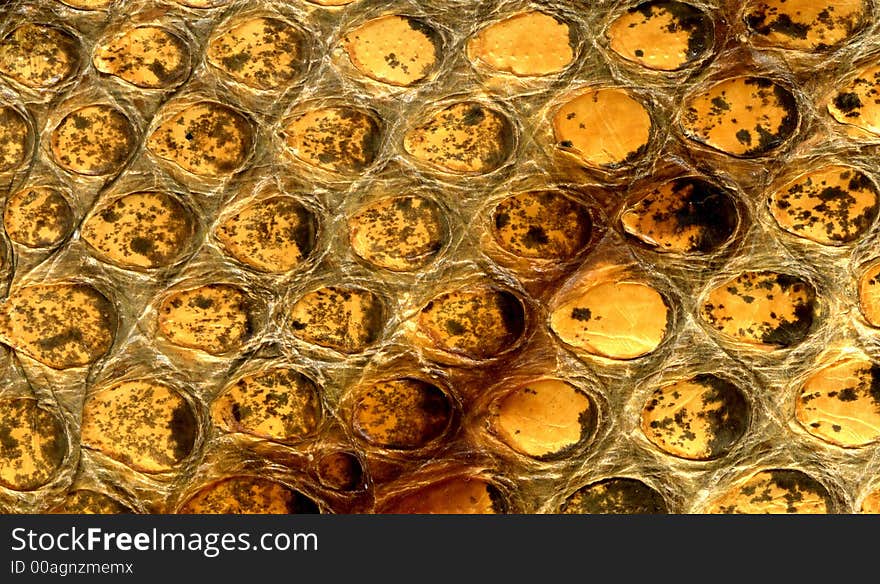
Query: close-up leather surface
point(445, 256)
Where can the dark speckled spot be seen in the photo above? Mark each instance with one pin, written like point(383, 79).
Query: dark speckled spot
point(141, 245)
point(582, 314)
point(203, 302)
point(847, 102)
point(847, 395)
point(474, 116)
point(184, 429)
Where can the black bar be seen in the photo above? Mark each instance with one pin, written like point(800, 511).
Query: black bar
point(377, 548)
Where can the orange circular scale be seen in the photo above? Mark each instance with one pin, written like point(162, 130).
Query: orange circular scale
point(340, 139)
point(142, 230)
point(617, 495)
point(457, 495)
point(34, 444)
point(804, 25)
point(764, 310)
point(206, 138)
point(95, 140)
point(664, 36)
point(342, 318)
point(144, 424)
point(526, 44)
point(39, 56)
point(261, 53)
point(404, 413)
point(603, 127)
point(214, 318)
point(871, 503)
point(775, 491)
point(685, 216)
point(38, 217)
point(150, 57)
point(273, 235)
point(856, 102)
point(398, 233)
point(247, 495)
point(869, 293)
point(746, 117)
point(840, 403)
point(201, 3)
point(395, 49)
point(340, 471)
point(831, 205)
point(699, 418)
point(544, 419)
point(279, 404)
point(15, 139)
point(617, 320)
point(62, 325)
point(462, 138)
point(541, 225)
point(88, 4)
point(331, 3)
point(477, 323)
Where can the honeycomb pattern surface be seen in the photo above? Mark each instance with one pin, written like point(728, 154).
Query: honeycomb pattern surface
point(445, 256)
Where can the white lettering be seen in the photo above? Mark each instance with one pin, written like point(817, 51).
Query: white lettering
point(285, 538)
point(77, 540)
point(15, 536)
point(46, 546)
point(94, 537)
point(142, 542)
point(306, 538)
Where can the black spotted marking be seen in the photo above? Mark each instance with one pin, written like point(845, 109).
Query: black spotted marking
point(849, 103)
point(581, 314)
point(184, 430)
